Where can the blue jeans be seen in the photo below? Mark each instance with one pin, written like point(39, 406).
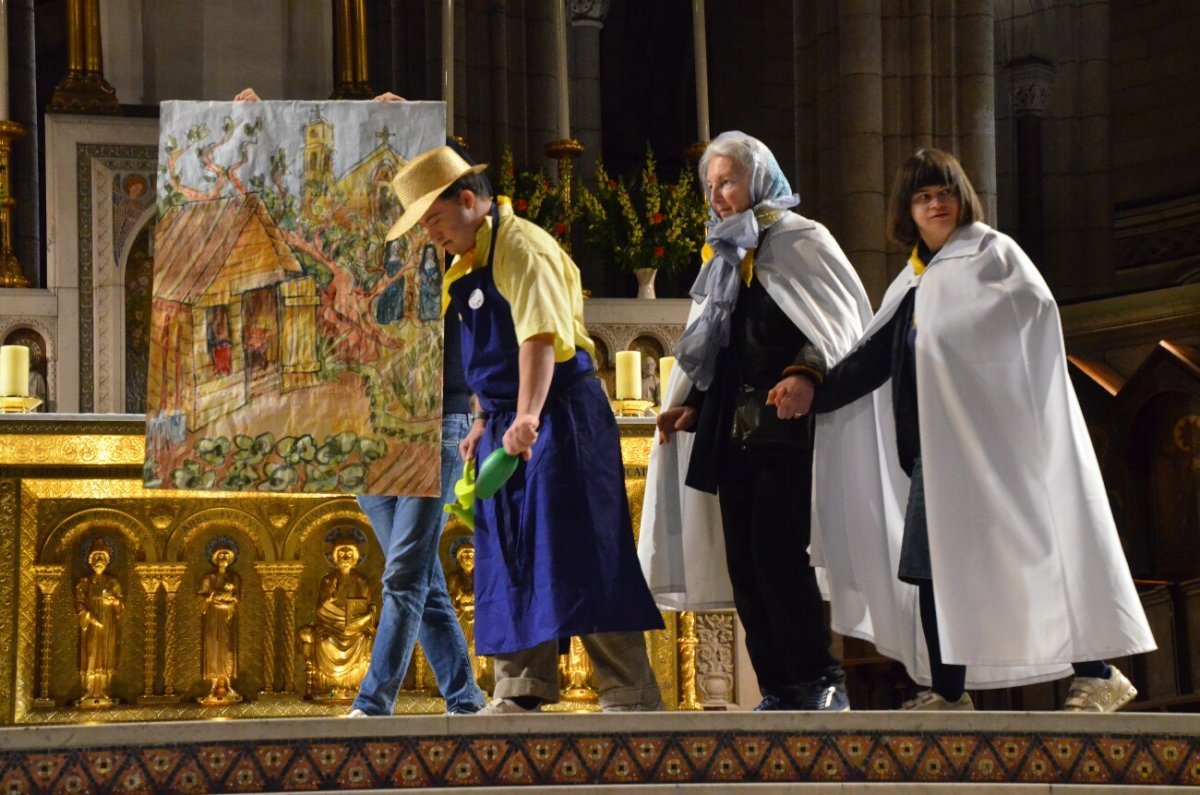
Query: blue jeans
point(416, 605)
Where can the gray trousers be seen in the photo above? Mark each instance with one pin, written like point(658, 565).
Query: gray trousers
point(618, 658)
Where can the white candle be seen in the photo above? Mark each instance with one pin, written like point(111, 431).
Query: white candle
point(564, 77)
point(14, 371)
point(701, 47)
point(447, 63)
point(3, 59)
point(629, 375)
point(664, 374)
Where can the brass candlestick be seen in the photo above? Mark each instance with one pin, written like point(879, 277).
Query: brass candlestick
point(695, 151)
point(631, 408)
point(84, 89)
point(10, 269)
point(18, 405)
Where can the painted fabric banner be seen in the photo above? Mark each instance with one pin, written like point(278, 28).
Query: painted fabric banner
point(292, 348)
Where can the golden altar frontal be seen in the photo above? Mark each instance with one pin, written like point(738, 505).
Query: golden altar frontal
point(119, 603)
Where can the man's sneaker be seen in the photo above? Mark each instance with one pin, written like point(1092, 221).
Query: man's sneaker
point(773, 703)
point(506, 706)
point(357, 713)
point(823, 695)
point(464, 709)
point(1091, 694)
point(932, 702)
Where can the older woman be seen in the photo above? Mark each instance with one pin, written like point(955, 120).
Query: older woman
point(776, 298)
point(1006, 513)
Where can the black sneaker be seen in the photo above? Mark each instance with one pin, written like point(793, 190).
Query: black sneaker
point(823, 695)
point(773, 703)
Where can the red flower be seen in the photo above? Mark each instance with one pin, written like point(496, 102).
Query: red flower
point(560, 228)
point(512, 170)
point(659, 251)
point(652, 178)
point(657, 218)
point(612, 183)
point(522, 205)
point(545, 186)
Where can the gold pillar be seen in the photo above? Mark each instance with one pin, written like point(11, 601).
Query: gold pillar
point(47, 579)
point(10, 269)
point(84, 89)
point(276, 577)
point(150, 585)
point(171, 577)
point(351, 80)
point(687, 662)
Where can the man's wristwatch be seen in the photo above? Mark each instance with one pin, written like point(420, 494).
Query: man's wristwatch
point(479, 415)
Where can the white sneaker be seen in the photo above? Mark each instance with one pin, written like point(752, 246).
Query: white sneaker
point(1092, 694)
point(504, 706)
point(929, 701)
point(357, 713)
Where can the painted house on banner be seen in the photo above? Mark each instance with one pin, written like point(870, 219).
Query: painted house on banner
point(234, 317)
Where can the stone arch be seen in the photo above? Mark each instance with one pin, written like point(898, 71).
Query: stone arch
point(339, 509)
point(66, 534)
point(37, 329)
point(244, 523)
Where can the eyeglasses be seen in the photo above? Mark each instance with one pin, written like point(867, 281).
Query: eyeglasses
point(944, 195)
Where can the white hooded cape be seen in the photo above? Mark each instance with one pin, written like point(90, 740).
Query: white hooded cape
point(1029, 571)
point(681, 545)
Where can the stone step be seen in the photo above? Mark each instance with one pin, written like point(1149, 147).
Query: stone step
point(891, 752)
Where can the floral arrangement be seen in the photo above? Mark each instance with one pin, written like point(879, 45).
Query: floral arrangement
point(646, 224)
point(538, 198)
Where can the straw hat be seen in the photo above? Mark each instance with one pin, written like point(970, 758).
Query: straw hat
point(422, 180)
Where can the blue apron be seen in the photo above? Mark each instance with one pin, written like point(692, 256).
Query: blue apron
point(554, 553)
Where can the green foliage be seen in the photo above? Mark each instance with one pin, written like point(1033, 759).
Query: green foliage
point(260, 463)
point(645, 223)
point(540, 199)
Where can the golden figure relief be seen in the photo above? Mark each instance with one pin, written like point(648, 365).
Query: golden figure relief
point(575, 671)
point(98, 606)
point(337, 645)
point(460, 582)
point(219, 594)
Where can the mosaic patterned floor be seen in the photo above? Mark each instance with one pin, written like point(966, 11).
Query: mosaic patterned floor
point(412, 752)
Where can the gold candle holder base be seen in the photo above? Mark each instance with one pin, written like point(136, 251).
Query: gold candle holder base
point(10, 269)
point(631, 408)
point(18, 405)
point(695, 151)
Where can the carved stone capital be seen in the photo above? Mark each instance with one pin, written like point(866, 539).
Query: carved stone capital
point(1031, 86)
point(589, 11)
point(169, 575)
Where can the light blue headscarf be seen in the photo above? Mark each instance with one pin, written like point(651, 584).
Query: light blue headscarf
point(719, 280)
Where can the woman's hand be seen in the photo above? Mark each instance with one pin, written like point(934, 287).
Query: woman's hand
point(677, 418)
point(388, 96)
point(520, 436)
point(792, 397)
point(247, 95)
point(470, 443)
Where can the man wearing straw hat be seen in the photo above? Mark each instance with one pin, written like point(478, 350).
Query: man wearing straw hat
point(554, 553)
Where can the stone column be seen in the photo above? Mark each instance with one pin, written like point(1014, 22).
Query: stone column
point(1031, 87)
point(974, 48)
point(587, 21)
point(84, 89)
point(687, 661)
point(541, 81)
point(47, 579)
point(1092, 270)
point(863, 184)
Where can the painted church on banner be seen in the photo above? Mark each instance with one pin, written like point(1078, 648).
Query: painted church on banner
point(211, 349)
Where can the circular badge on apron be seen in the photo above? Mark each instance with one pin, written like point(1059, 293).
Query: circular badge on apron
point(476, 299)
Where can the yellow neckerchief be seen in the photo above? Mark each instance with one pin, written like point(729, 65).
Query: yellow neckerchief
point(465, 263)
point(915, 260)
point(747, 267)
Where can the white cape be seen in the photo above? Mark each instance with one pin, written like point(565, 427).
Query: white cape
point(1029, 571)
point(681, 545)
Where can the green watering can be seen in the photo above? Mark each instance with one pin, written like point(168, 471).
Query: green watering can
point(496, 469)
